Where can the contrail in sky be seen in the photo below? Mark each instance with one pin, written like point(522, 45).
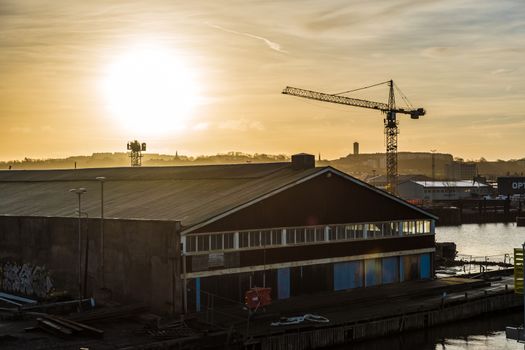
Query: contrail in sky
point(272, 45)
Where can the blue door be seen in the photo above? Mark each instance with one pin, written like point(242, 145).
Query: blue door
point(372, 272)
point(425, 266)
point(390, 269)
point(198, 294)
point(348, 275)
point(283, 283)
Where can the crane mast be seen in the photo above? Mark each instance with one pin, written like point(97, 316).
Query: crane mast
point(390, 120)
point(391, 132)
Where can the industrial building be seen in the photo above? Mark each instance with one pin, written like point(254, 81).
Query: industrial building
point(174, 235)
point(442, 190)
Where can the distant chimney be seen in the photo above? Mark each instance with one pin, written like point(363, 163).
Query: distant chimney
point(303, 161)
point(356, 148)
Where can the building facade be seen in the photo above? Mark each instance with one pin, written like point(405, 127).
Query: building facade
point(291, 227)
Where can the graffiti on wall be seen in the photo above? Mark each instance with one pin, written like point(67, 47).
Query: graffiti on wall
point(25, 279)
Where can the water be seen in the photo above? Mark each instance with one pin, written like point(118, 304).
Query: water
point(483, 239)
point(482, 333)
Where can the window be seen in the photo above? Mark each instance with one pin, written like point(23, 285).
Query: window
point(405, 228)
point(332, 233)
point(341, 234)
point(373, 231)
point(266, 237)
point(427, 226)
point(300, 235)
point(420, 226)
point(358, 231)
point(216, 242)
point(310, 235)
point(387, 229)
point(203, 243)
point(290, 236)
point(276, 237)
point(255, 239)
point(229, 240)
point(244, 240)
point(319, 234)
point(191, 243)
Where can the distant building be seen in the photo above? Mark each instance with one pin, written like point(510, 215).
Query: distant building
point(380, 181)
point(176, 235)
point(461, 170)
point(442, 190)
point(356, 148)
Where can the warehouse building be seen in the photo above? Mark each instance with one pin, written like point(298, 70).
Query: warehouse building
point(175, 235)
point(442, 190)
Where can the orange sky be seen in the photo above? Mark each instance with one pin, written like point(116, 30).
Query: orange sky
point(462, 60)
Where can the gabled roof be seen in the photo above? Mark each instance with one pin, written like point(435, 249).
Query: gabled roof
point(192, 195)
point(304, 178)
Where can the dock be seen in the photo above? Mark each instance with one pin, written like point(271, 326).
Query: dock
point(364, 314)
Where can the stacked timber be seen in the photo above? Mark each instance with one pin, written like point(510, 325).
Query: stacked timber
point(63, 327)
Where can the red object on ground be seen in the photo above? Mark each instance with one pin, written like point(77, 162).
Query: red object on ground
point(257, 297)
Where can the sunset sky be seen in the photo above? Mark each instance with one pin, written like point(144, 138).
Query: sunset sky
point(202, 77)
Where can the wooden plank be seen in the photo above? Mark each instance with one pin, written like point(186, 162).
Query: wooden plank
point(89, 329)
point(53, 327)
point(63, 322)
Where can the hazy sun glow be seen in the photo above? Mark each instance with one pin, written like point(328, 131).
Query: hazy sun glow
point(150, 90)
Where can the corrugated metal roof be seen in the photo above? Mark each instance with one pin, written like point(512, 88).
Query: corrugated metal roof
point(188, 194)
point(448, 184)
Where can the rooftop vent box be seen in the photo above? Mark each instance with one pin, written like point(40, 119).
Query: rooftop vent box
point(303, 161)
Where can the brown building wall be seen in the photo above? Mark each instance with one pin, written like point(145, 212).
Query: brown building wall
point(321, 200)
point(40, 254)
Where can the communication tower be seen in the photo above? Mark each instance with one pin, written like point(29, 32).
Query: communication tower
point(136, 149)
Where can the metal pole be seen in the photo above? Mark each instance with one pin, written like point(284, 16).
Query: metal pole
point(102, 232)
point(102, 270)
point(86, 260)
point(79, 191)
point(79, 245)
point(184, 284)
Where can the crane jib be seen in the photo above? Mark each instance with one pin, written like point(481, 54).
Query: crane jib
point(320, 96)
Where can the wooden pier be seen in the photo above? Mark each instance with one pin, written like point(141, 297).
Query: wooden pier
point(369, 313)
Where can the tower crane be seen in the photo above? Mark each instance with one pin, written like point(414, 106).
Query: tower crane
point(390, 121)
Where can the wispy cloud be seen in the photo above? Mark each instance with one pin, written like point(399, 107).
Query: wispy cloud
point(241, 125)
point(271, 44)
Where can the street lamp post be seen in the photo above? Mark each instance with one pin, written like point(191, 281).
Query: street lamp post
point(79, 192)
point(101, 179)
point(433, 175)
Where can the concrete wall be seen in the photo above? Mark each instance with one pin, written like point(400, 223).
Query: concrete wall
point(39, 255)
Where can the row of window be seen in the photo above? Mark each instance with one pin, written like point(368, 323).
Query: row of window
point(451, 190)
point(302, 235)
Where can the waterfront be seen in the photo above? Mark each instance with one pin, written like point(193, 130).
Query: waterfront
point(482, 333)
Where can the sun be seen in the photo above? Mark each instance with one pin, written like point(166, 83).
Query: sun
point(151, 90)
